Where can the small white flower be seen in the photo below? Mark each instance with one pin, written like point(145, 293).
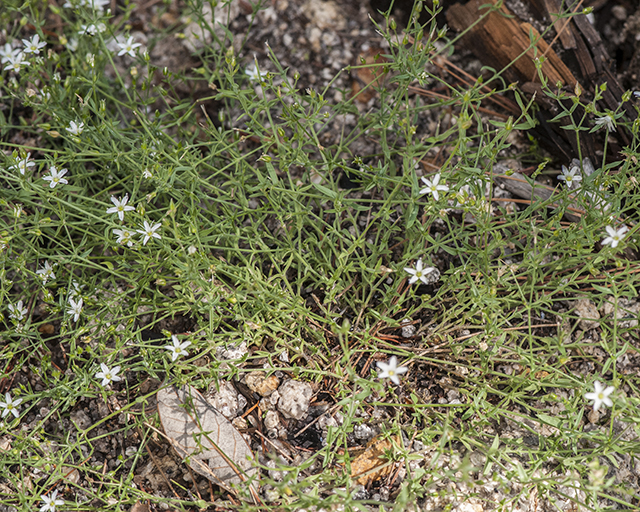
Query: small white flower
point(120, 206)
point(46, 273)
point(177, 349)
point(23, 165)
point(10, 406)
point(8, 53)
point(570, 176)
point(94, 4)
point(34, 45)
point(391, 370)
point(419, 273)
point(636, 94)
point(125, 236)
point(615, 236)
point(607, 121)
point(97, 5)
point(16, 62)
point(50, 503)
point(55, 177)
point(433, 187)
point(147, 174)
point(75, 288)
point(93, 29)
point(18, 311)
point(128, 47)
point(108, 375)
point(75, 308)
point(600, 395)
point(253, 73)
point(75, 129)
point(149, 231)
point(72, 44)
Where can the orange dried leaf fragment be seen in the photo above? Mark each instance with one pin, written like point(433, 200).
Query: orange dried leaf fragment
point(372, 464)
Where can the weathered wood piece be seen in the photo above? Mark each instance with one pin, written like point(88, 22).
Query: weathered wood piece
point(498, 37)
point(522, 186)
point(566, 36)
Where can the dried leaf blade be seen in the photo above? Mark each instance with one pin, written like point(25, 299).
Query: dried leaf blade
point(204, 438)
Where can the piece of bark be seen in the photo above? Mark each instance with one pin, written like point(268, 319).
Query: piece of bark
point(501, 40)
point(562, 26)
point(586, 64)
point(520, 186)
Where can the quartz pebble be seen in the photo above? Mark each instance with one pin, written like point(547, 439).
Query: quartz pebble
point(225, 399)
point(295, 397)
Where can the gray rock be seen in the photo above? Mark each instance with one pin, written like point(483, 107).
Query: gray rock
point(271, 420)
point(588, 314)
point(294, 399)
point(225, 400)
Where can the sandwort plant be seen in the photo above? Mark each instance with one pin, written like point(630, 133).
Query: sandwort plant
point(143, 237)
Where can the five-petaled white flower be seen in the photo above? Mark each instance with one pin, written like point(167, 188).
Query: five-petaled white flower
point(391, 370)
point(23, 165)
point(10, 406)
point(125, 236)
point(34, 45)
point(75, 308)
point(600, 395)
point(128, 47)
point(120, 206)
point(93, 29)
point(607, 121)
point(75, 288)
point(419, 273)
point(18, 311)
point(8, 53)
point(46, 273)
point(433, 187)
point(108, 375)
point(55, 177)
point(74, 128)
point(148, 232)
point(16, 62)
point(252, 72)
point(177, 349)
point(615, 236)
point(570, 176)
point(96, 4)
point(50, 503)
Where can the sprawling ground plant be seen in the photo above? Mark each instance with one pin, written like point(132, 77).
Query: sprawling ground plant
point(145, 234)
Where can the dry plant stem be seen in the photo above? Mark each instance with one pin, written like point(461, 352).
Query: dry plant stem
point(157, 463)
point(428, 93)
point(274, 446)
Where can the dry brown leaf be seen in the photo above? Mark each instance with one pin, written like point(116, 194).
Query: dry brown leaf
point(371, 74)
point(363, 467)
point(202, 436)
point(139, 507)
